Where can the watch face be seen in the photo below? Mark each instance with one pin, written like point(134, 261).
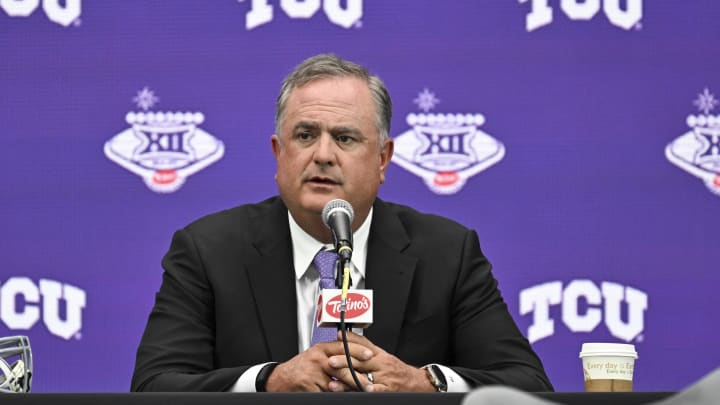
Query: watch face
point(437, 378)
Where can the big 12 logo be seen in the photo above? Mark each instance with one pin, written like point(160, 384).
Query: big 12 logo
point(61, 14)
point(261, 12)
point(541, 13)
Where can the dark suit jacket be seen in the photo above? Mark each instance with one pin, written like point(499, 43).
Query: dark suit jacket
point(227, 301)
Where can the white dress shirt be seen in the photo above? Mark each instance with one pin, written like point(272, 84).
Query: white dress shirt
point(307, 290)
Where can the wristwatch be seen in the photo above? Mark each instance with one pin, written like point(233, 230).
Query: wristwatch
point(263, 376)
point(437, 378)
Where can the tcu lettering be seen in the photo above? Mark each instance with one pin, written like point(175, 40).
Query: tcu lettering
point(538, 299)
point(261, 12)
point(20, 305)
point(541, 13)
point(55, 11)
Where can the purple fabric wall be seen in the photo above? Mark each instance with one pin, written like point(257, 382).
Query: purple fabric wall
point(579, 138)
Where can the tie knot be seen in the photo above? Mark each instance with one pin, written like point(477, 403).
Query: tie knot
point(324, 261)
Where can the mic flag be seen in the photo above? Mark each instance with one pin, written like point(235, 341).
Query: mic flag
point(359, 310)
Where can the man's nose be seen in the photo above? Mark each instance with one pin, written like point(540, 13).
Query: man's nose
point(325, 150)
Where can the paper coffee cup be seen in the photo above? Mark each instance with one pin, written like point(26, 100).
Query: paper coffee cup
point(608, 367)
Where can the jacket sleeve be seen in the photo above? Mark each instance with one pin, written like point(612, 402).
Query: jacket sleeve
point(176, 352)
point(488, 346)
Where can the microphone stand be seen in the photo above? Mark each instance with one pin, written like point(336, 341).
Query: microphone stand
point(343, 281)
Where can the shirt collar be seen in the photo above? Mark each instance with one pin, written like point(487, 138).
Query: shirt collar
point(305, 246)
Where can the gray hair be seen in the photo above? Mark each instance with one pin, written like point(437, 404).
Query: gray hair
point(327, 66)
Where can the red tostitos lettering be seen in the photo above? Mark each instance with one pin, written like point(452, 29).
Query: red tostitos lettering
point(357, 304)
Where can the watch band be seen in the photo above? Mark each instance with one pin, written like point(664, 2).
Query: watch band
point(262, 377)
point(437, 377)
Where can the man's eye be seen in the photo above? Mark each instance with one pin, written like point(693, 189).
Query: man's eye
point(344, 139)
point(304, 136)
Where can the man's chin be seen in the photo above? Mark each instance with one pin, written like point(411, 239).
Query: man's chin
point(316, 203)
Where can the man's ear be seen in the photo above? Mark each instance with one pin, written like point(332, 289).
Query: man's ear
point(385, 156)
point(275, 141)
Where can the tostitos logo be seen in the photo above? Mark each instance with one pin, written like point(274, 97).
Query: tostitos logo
point(357, 304)
point(163, 148)
point(445, 150)
point(698, 150)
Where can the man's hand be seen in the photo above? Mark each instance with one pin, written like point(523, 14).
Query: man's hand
point(390, 374)
point(310, 370)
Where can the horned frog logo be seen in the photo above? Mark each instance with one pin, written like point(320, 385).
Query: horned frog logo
point(163, 148)
point(445, 150)
point(698, 150)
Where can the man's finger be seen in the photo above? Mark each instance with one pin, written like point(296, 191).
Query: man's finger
point(377, 388)
point(355, 338)
point(340, 386)
point(357, 350)
point(344, 375)
point(340, 361)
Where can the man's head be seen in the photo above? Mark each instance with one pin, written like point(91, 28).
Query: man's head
point(330, 66)
point(331, 138)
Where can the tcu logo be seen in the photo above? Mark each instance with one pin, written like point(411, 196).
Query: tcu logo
point(261, 12)
point(541, 13)
point(21, 301)
point(604, 302)
point(63, 15)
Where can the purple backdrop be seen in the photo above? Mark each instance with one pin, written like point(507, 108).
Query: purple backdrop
point(579, 138)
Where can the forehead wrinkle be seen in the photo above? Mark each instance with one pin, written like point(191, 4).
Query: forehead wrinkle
point(335, 129)
point(336, 109)
point(345, 129)
point(329, 103)
point(316, 116)
point(306, 125)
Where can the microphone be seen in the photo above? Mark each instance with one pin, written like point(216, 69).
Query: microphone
point(341, 305)
point(338, 216)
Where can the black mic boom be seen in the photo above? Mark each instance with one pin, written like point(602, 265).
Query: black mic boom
point(338, 216)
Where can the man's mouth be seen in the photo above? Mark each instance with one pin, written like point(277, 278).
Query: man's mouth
point(322, 180)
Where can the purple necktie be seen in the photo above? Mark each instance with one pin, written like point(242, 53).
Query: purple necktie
point(324, 262)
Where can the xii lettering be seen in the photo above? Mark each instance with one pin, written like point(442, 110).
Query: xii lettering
point(441, 144)
point(174, 142)
point(710, 138)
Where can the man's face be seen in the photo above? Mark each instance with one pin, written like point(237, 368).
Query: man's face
point(328, 148)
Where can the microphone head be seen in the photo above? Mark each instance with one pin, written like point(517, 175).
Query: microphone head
point(336, 205)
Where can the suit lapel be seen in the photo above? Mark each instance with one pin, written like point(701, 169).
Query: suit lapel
point(272, 279)
point(389, 274)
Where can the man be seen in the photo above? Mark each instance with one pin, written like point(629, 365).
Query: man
point(236, 305)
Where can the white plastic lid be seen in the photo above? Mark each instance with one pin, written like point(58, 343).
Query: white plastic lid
point(608, 349)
